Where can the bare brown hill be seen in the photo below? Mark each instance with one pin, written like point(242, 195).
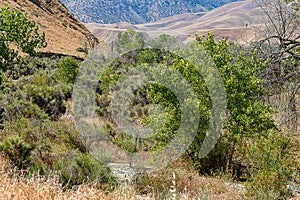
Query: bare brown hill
point(236, 21)
point(64, 33)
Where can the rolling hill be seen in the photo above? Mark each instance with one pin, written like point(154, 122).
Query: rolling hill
point(136, 11)
point(234, 20)
point(64, 33)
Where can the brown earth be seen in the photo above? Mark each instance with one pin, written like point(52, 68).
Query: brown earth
point(64, 33)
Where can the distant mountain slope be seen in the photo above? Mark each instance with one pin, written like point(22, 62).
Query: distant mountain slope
point(136, 11)
point(64, 33)
point(234, 20)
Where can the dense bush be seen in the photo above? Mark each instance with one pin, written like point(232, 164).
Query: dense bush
point(33, 137)
point(78, 168)
point(67, 70)
point(17, 151)
point(31, 65)
point(271, 166)
point(39, 143)
point(39, 91)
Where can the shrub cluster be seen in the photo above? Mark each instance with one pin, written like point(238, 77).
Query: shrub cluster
point(34, 138)
point(251, 148)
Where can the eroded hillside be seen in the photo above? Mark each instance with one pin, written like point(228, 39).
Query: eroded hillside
point(64, 33)
point(236, 21)
point(136, 11)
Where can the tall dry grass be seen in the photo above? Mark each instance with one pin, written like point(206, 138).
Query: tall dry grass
point(15, 186)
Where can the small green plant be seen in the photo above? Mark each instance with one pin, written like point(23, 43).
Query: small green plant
point(17, 151)
point(67, 70)
point(82, 49)
point(162, 183)
point(271, 165)
point(83, 168)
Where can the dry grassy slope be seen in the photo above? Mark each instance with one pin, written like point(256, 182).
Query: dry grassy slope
point(64, 33)
point(234, 20)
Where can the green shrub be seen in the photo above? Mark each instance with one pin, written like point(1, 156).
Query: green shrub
point(49, 140)
point(17, 151)
point(19, 107)
point(34, 93)
point(32, 133)
point(79, 168)
point(158, 183)
point(271, 166)
point(67, 70)
point(31, 65)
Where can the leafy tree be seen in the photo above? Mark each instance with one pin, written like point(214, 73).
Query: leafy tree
point(165, 41)
point(16, 30)
point(248, 125)
point(67, 70)
point(129, 40)
point(247, 115)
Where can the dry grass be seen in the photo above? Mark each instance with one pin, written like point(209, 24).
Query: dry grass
point(64, 33)
point(13, 186)
point(234, 20)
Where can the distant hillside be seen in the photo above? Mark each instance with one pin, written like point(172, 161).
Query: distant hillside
point(234, 20)
point(136, 11)
point(64, 33)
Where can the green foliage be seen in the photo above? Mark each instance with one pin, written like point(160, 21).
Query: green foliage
point(129, 40)
point(271, 166)
point(249, 123)
point(31, 135)
point(32, 105)
point(247, 115)
point(35, 93)
point(30, 66)
point(17, 151)
point(49, 140)
point(67, 70)
point(16, 30)
point(82, 168)
point(295, 4)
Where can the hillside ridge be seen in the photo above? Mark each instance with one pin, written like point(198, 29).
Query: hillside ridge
point(64, 33)
point(137, 11)
point(234, 21)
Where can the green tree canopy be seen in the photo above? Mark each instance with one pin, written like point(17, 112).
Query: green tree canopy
point(17, 32)
point(130, 40)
